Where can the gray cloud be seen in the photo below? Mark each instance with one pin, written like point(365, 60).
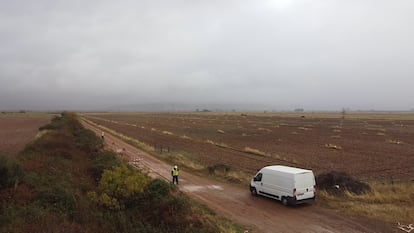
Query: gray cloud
point(278, 53)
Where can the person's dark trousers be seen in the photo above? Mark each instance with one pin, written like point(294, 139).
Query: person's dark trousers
point(175, 179)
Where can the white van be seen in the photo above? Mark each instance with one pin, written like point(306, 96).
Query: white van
point(290, 185)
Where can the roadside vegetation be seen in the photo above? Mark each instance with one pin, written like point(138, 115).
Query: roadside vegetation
point(65, 181)
point(384, 201)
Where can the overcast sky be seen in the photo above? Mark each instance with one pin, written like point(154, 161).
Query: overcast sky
point(285, 54)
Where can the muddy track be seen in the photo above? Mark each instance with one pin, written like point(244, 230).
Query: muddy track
point(256, 214)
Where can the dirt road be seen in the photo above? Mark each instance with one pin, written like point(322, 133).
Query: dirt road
point(256, 214)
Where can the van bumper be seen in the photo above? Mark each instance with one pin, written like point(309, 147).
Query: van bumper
point(293, 201)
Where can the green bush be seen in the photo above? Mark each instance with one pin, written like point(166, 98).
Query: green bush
point(13, 216)
point(120, 188)
point(170, 212)
point(221, 168)
point(59, 197)
point(104, 161)
point(157, 189)
point(87, 140)
point(10, 172)
point(53, 125)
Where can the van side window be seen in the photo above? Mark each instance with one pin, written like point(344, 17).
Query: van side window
point(258, 177)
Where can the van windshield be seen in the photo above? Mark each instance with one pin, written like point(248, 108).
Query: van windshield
point(258, 177)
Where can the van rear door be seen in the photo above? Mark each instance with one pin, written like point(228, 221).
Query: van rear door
point(305, 185)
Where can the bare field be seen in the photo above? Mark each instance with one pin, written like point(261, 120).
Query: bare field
point(368, 146)
point(18, 129)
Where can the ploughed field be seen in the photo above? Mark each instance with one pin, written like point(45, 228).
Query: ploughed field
point(367, 146)
point(18, 129)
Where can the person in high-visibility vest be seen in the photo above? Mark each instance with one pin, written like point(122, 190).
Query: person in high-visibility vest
point(174, 174)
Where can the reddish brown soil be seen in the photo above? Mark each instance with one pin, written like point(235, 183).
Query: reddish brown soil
point(18, 130)
point(256, 214)
point(365, 148)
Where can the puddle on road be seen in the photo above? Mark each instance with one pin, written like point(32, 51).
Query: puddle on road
point(199, 188)
point(192, 188)
point(217, 187)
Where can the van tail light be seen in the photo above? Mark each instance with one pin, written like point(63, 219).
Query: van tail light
point(294, 192)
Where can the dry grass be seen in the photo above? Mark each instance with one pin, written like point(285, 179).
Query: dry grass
point(223, 145)
point(41, 133)
point(304, 128)
point(376, 128)
point(221, 131)
point(244, 178)
point(184, 161)
point(333, 146)
point(255, 151)
point(186, 137)
point(167, 132)
point(210, 142)
point(398, 142)
point(386, 202)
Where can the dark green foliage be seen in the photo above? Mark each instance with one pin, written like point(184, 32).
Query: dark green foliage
point(12, 216)
point(105, 160)
point(220, 168)
point(337, 183)
point(120, 188)
point(10, 172)
point(53, 125)
point(157, 189)
point(86, 140)
point(59, 197)
point(175, 210)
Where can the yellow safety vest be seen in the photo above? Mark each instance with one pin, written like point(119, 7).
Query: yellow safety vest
point(175, 172)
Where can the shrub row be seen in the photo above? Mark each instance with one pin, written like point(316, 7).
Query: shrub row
point(10, 172)
point(70, 184)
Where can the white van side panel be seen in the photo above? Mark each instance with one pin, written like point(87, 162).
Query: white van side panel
point(277, 186)
point(280, 181)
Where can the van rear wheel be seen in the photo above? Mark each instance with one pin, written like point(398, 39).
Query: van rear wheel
point(285, 201)
point(253, 191)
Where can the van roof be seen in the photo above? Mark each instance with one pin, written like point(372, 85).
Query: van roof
point(292, 170)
